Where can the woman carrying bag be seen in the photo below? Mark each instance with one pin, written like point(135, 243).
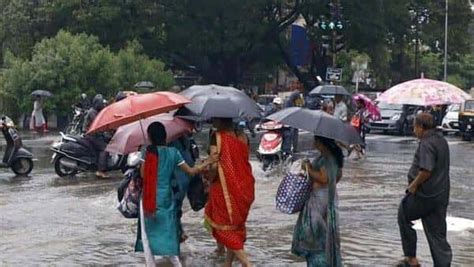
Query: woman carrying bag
point(316, 234)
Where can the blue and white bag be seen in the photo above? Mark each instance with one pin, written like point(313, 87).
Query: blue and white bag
point(293, 191)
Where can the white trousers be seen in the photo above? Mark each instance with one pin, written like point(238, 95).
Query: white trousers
point(149, 257)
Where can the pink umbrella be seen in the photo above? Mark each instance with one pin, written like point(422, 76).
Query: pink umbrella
point(424, 92)
point(129, 138)
point(370, 106)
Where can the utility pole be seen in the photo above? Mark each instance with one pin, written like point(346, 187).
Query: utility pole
point(334, 58)
point(334, 33)
point(445, 77)
point(417, 50)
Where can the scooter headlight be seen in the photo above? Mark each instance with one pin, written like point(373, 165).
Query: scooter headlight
point(56, 144)
point(134, 158)
point(8, 122)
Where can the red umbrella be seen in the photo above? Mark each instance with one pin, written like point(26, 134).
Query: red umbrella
point(134, 108)
point(129, 138)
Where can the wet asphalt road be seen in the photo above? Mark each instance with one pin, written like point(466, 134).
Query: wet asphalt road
point(47, 220)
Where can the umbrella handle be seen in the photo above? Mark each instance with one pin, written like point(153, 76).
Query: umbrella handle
point(143, 132)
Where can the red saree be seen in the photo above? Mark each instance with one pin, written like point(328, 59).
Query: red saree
point(232, 194)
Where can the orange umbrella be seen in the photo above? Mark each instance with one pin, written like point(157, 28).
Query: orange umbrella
point(134, 108)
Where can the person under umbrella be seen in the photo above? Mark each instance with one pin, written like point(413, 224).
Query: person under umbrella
point(359, 120)
point(340, 109)
point(158, 232)
point(99, 140)
point(232, 190)
point(296, 99)
point(38, 121)
point(316, 235)
point(184, 145)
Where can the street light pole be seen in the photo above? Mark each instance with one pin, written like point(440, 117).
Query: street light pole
point(417, 36)
point(445, 77)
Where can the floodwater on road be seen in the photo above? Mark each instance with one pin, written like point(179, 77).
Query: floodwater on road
point(48, 220)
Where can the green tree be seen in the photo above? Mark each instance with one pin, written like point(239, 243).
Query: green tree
point(22, 24)
point(431, 65)
point(133, 66)
point(68, 65)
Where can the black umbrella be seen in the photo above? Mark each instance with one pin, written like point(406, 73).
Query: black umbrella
point(329, 89)
point(318, 123)
point(214, 101)
point(145, 85)
point(42, 93)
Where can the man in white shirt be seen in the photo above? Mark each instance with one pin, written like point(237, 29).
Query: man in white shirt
point(340, 110)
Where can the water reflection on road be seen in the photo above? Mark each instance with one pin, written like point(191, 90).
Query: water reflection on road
point(48, 220)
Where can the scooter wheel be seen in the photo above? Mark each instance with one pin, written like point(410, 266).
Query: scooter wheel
point(61, 170)
point(22, 166)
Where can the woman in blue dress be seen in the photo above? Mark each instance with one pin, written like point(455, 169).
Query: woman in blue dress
point(316, 234)
point(158, 227)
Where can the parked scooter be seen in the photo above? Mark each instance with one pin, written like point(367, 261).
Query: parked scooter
point(275, 146)
point(74, 154)
point(16, 156)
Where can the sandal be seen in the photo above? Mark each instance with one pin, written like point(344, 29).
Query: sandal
point(405, 263)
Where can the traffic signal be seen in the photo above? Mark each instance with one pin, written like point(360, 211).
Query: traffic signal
point(326, 42)
point(332, 25)
point(339, 43)
point(323, 25)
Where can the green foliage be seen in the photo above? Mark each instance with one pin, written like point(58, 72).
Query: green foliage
point(132, 66)
point(68, 65)
point(113, 22)
point(457, 80)
point(219, 42)
point(461, 72)
point(227, 41)
point(431, 65)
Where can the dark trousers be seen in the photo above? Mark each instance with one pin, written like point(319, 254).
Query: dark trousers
point(102, 156)
point(432, 213)
point(294, 136)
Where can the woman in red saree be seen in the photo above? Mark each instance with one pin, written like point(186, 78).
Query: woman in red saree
point(232, 190)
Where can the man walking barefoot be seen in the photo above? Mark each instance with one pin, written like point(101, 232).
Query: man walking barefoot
point(427, 195)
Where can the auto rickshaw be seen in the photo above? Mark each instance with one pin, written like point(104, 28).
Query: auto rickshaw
point(466, 120)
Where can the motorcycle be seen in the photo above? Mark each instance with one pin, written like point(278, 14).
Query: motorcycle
point(16, 156)
point(275, 146)
point(73, 154)
point(75, 126)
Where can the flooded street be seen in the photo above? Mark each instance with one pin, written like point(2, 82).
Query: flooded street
point(47, 220)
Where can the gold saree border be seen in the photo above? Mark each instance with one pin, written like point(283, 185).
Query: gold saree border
point(221, 227)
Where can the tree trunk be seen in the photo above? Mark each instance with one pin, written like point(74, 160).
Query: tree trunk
point(301, 77)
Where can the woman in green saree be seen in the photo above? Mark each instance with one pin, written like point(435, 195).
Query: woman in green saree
point(316, 234)
point(158, 227)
